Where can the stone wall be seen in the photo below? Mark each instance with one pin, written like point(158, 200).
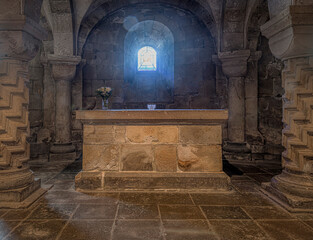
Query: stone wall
point(194, 72)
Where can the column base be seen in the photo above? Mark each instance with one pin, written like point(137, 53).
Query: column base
point(21, 197)
point(134, 181)
point(62, 152)
point(236, 152)
point(292, 191)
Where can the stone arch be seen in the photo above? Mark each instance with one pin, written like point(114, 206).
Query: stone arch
point(99, 9)
point(194, 47)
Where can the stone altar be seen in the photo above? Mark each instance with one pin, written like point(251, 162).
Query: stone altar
point(152, 150)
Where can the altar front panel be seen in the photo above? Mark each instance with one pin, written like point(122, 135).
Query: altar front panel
point(132, 150)
point(162, 148)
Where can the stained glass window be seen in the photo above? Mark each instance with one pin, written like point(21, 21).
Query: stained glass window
point(147, 59)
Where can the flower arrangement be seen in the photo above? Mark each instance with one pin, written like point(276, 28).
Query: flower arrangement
point(105, 93)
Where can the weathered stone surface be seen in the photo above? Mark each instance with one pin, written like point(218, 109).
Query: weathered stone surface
point(136, 158)
point(152, 134)
point(173, 116)
point(102, 134)
point(200, 135)
point(199, 158)
point(165, 157)
point(120, 134)
point(101, 158)
point(88, 180)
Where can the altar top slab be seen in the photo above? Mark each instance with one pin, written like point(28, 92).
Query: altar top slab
point(166, 115)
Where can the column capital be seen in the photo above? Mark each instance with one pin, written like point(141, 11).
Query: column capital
point(234, 63)
point(290, 33)
point(63, 67)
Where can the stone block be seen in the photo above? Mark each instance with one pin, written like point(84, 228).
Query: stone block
point(98, 134)
point(163, 181)
point(120, 134)
point(199, 158)
point(101, 158)
point(88, 180)
point(136, 158)
point(152, 134)
point(165, 157)
point(200, 135)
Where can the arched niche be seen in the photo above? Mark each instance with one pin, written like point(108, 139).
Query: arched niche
point(149, 86)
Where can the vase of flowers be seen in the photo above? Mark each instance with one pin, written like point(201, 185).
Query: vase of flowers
point(105, 93)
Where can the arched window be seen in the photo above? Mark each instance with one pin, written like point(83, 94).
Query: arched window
point(147, 59)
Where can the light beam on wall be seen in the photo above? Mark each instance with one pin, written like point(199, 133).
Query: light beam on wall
point(147, 59)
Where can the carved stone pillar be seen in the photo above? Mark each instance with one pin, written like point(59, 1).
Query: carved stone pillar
point(234, 65)
point(63, 71)
point(290, 35)
point(20, 39)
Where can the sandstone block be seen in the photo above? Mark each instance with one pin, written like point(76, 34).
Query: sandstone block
point(98, 134)
point(88, 180)
point(152, 134)
point(120, 133)
point(165, 157)
point(199, 158)
point(136, 158)
point(200, 134)
point(101, 158)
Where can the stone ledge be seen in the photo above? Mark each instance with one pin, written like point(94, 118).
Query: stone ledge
point(153, 116)
point(137, 181)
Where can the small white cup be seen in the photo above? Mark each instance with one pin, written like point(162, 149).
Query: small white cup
point(151, 106)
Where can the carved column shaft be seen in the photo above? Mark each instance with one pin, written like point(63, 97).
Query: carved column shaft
point(20, 39)
point(290, 35)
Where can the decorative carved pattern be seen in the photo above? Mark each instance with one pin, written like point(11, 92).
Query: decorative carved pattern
point(14, 125)
point(298, 114)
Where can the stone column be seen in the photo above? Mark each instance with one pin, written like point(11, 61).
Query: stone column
point(290, 35)
point(63, 71)
point(234, 65)
point(20, 37)
point(48, 97)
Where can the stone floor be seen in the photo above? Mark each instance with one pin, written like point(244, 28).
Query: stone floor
point(65, 214)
